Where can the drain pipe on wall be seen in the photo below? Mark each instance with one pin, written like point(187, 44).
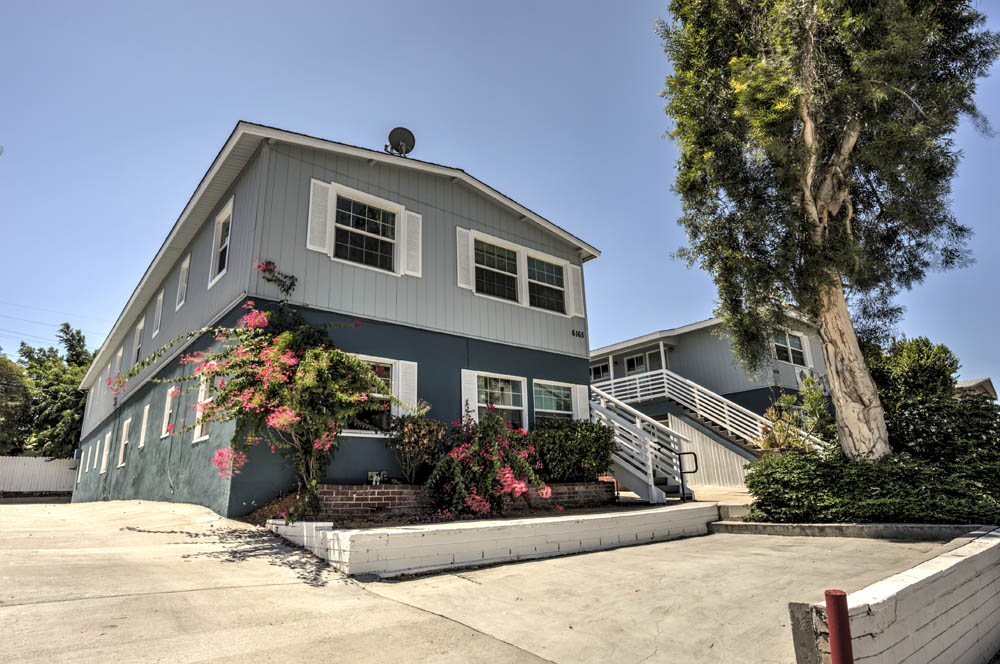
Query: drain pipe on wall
point(839, 624)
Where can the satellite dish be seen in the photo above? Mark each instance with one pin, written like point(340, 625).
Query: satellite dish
point(401, 141)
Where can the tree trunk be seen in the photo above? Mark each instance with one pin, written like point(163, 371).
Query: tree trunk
point(860, 417)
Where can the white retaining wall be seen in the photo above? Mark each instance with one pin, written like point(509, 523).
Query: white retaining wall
point(943, 611)
point(391, 551)
point(24, 474)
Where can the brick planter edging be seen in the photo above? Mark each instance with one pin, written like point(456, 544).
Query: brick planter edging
point(339, 501)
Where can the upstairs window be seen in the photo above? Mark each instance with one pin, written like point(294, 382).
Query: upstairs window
point(635, 365)
point(123, 449)
point(182, 282)
point(365, 234)
point(118, 360)
point(788, 347)
point(220, 246)
point(552, 401)
point(137, 344)
point(599, 372)
point(546, 289)
point(496, 271)
point(158, 312)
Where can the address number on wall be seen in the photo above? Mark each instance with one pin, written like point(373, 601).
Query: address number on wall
point(577, 333)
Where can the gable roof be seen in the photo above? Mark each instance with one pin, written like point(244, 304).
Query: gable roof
point(237, 151)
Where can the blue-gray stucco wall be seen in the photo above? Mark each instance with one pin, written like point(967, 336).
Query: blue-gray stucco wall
point(174, 469)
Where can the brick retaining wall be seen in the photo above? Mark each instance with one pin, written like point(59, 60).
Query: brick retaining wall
point(338, 501)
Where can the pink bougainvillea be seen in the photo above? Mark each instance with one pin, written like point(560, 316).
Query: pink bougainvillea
point(254, 319)
point(174, 392)
point(282, 417)
point(229, 462)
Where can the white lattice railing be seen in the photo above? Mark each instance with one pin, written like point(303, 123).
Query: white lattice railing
point(644, 447)
point(664, 384)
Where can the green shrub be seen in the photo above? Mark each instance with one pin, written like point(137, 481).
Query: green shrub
point(829, 487)
point(573, 450)
point(416, 440)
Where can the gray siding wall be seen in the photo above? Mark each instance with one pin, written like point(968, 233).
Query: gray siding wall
point(202, 304)
point(707, 359)
point(433, 301)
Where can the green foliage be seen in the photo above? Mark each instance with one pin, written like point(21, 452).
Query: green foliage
point(416, 441)
point(487, 463)
point(796, 418)
point(911, 369)
point(55, 404)
point(815, 149)
point(573, 450)
point(945, 469)
point(15, 420)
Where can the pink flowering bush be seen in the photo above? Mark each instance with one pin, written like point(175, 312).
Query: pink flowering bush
point(487, 466)
point(282, 382)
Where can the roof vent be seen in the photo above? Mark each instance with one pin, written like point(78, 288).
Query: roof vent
point(401, 142)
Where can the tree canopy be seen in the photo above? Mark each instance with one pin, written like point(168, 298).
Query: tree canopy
point(815, 165)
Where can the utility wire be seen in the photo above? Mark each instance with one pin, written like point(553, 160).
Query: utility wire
point(54, 311)
point(56, 325)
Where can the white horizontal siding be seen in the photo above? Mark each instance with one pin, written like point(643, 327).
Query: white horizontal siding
point(23, 474)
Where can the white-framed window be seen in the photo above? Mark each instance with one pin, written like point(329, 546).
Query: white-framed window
point(635, 364)
point(118, 360)
point(553, 401)
point(400, 376)
point(137, 343)
point(97, 453)
point(123, 448)
point(495, 268)
point(506, 394)
point(168, 412)
point(86, 458)
point(600, 372)
point(220, 244)
point(354, 227)
point(546, 286)
point(182, 282)
point(104, 456)
point(80, 466)
point(107, 370)
point(158, 313)
point(201, 428)
point(496, 271)
point(790, 347)
point(145, 421)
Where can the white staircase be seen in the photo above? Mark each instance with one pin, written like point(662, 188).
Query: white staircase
point(647, 457)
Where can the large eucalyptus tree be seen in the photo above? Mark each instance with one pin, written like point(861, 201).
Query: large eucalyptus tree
point(815, 165)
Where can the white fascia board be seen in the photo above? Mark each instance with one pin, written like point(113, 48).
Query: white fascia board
point(652, 337)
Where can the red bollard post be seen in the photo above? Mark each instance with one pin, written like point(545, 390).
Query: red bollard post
point(839, 624)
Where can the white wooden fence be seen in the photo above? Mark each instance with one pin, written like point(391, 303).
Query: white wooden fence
point(21, 474)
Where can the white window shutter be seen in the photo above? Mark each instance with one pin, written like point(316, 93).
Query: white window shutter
point(575, 295)
point(145, 420)
point(465, 269)
point(581, 402)
point(404, 386)
point(318, 234)
point(469, 397)
point(413, 241)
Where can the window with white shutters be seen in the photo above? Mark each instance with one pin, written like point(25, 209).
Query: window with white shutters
point(220, 246)
point(400, 379)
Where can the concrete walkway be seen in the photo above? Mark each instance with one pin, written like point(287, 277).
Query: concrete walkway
point(135, 581)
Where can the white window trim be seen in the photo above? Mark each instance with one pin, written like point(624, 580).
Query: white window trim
point(203, 388)
point(187, 276)
point(606, 363)
point(523, 299)
point(140, 329)
point(632, 357)
point(122, 448)
point(227, 210)
point(366, 433)
point(157, 314)
point(805, 350)
point(569, 412)
point(656, 354)
point(524, 394)
point(104, 454)
point(168, 410)
point(368, 199)
point(145, 421)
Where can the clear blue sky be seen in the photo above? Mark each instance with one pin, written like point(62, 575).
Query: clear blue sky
point(112, 112)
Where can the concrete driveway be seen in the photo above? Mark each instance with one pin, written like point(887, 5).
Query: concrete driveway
point(135, 581)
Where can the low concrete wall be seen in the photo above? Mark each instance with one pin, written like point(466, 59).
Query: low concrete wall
point(902, 531)
point(22, 474)
point(945, 610)
point(389, 552)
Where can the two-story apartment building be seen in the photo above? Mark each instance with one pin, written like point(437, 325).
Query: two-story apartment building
point(465, 297)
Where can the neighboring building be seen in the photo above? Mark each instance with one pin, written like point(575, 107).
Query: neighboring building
point(977, 386)
point(689, 380)
point(465, 296)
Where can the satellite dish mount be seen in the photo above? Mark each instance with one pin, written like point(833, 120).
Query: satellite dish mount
point(401, 142)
